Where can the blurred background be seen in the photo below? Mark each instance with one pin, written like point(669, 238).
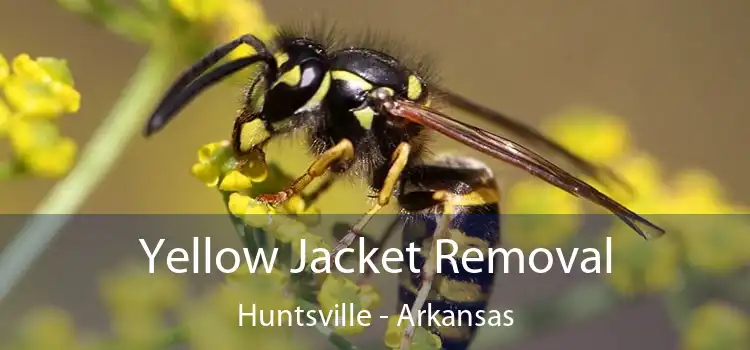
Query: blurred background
point(674, 71)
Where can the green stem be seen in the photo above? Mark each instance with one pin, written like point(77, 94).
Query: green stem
point(101, 153)
point(10, 169)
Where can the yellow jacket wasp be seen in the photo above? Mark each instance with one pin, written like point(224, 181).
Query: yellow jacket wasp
point(366, 113)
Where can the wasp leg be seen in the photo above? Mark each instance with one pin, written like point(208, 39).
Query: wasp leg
point(429, 271)
point(341, 152)
point(315, 194)
point(398, 163)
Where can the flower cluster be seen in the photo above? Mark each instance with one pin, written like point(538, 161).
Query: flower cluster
point(188, 27)
point(140, 306)
point(703, 233)
point(212, 321)
point(36, 93)
point(716, 325)
point(217, 167)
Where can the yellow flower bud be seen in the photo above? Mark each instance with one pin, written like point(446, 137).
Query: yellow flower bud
point(716, 325)
point(24, 66)
point(42, 87)
point(49, 328)
point(596, 136)
point(238, 203)
point(336, 290)
point(311, 243)
point(242, 17)
point(640, 266)
point(288, 229)
point(4, 69)
point(40, 99)
point(206, 152)
point(198, 10)
point(5, 118)
point(206, 172)
point(295, 205)
point(542, 215)
point(421, 340)
point(698, 192)
point(341, 290)
point(258, 214)
point(235, 181)
point(369, 297)
point(53, 161)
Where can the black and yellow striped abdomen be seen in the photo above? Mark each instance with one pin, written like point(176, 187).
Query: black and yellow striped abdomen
point(473, 199)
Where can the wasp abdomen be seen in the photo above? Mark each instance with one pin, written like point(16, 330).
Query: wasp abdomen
point(464, 189)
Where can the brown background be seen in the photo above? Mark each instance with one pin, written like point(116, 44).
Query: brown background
point(677, 70)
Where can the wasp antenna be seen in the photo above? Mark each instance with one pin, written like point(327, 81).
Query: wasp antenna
point(185, 96)
point(182, 91)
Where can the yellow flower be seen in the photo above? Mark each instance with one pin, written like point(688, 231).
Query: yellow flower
point(235, 181)
point(716, 325)
point(41, 88)
point(210, 151)
point(216, 161)
point(239, 203)
point(640, 266)
point(697, 192)
point(421, 340)
point(212, 321)
point(312, 242)
point(206, 173)
point(715, 243)
point(252, 212)
point(287, 229)
point(53, 161)
point(39, 146)
point(6, 116)
point(132, 290)
point(241, 17)
point(595, 135)
point(4, 69)
point(541, 215)
point(295, 205)
point(340, 290)
point(369, 297)
point(643, 173)
point(48, 328)
point(198, 10)
point(211, 160)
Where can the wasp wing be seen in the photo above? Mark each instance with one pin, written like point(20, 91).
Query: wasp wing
point(595, 171)
point(517, 155)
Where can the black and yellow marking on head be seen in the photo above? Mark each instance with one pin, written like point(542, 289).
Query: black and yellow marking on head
point(281, 58)
point(291, 77)
point(320, 94)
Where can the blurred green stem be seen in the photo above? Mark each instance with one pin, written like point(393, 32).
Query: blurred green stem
point(97, 159)
point(10, 169)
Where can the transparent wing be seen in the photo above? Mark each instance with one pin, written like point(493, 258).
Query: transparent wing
point(533, 137)
point(519, 156)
